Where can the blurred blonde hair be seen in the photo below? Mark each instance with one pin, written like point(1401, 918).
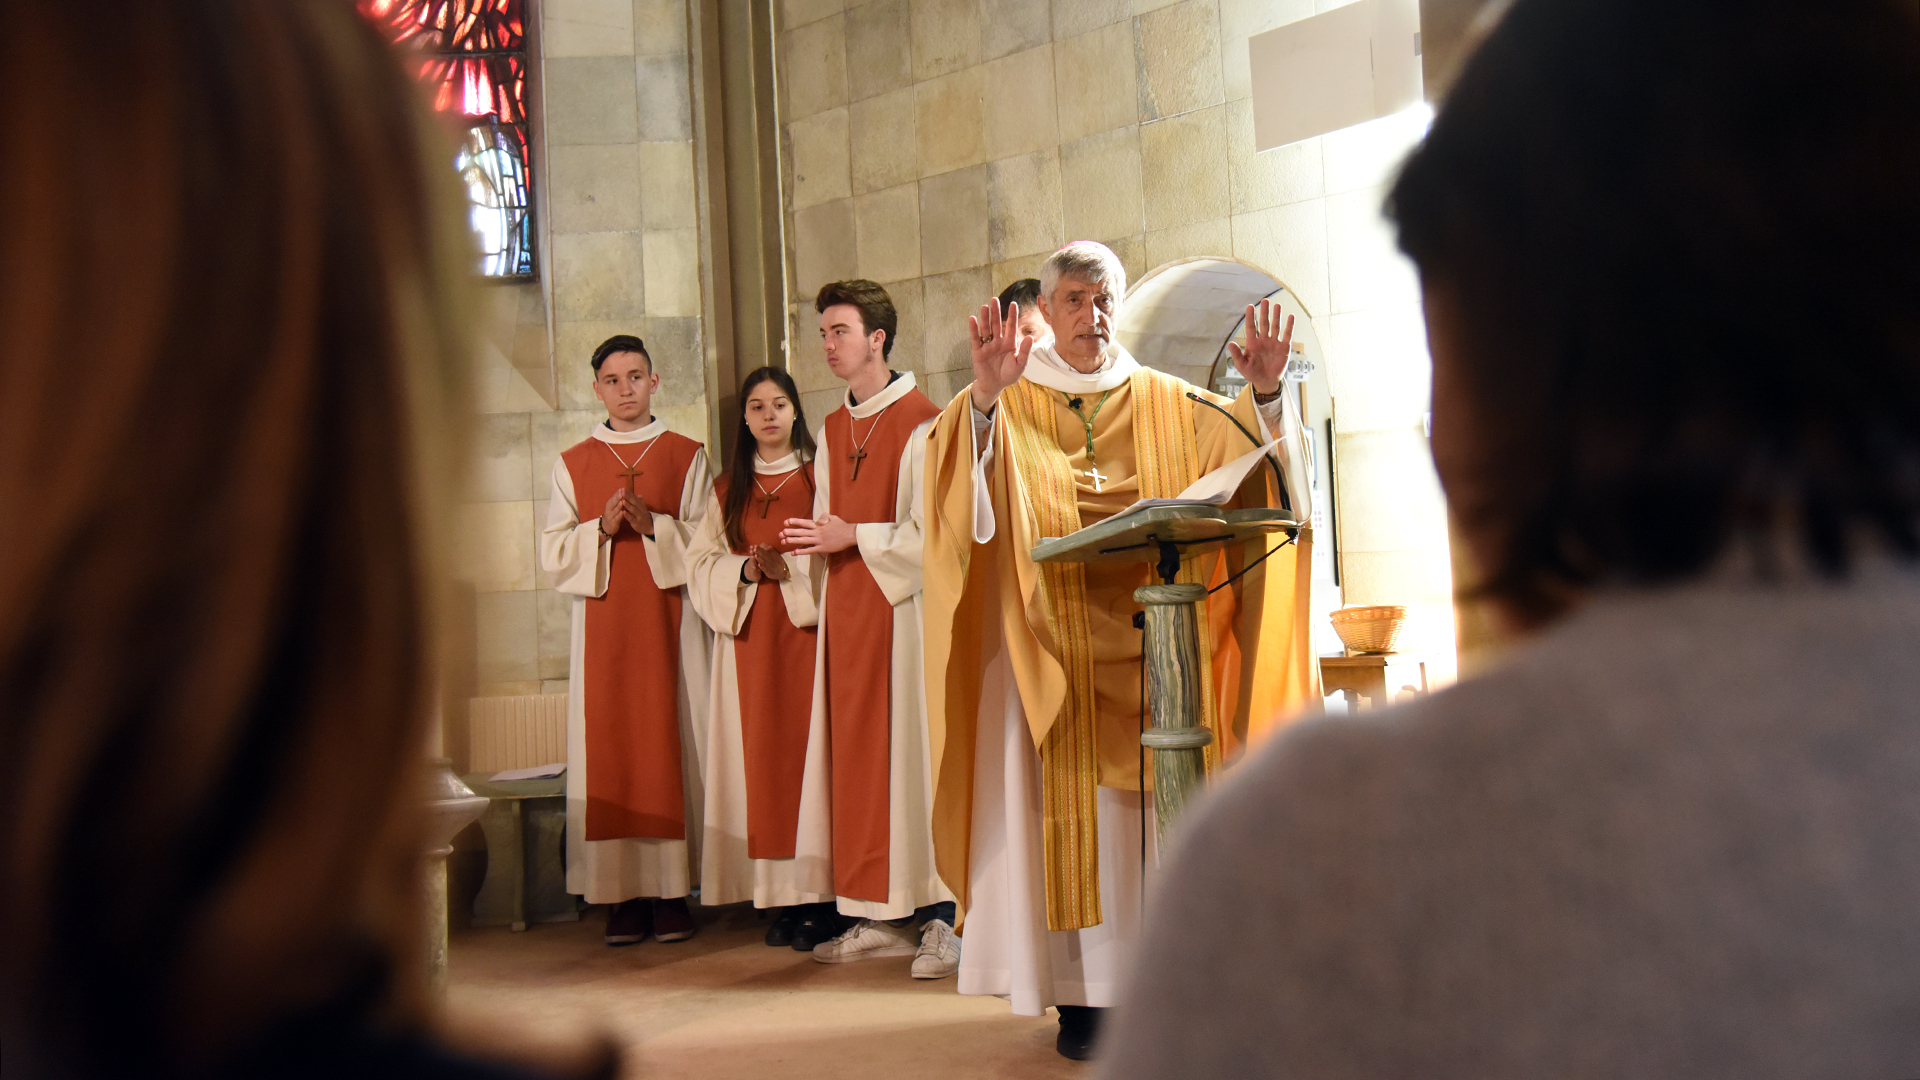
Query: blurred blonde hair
point(230, 346)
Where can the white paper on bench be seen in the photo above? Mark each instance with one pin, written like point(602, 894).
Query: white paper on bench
point(538, 772)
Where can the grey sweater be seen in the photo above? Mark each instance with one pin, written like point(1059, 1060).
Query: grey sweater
point(1677, 835)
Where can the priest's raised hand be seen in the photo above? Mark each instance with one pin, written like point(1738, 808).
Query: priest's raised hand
point(999, 352)
point(1269, 348)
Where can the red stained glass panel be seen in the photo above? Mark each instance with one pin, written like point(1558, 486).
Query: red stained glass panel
point(472, 53)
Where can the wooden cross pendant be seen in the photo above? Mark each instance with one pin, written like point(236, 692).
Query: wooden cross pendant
point(630, 472)
point(766, 502)
point(1094, 471)
point(859, 454)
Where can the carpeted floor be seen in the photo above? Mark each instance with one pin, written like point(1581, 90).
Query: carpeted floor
point(725, 1006)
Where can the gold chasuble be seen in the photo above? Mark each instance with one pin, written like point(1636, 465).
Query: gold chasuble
point(1068, 628)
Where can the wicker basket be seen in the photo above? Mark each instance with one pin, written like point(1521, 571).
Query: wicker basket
point(1370, 629)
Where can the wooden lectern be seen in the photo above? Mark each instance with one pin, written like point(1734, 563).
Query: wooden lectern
point(1164, 535)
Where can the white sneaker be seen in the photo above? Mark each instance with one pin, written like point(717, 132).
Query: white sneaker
point(939, 954)
point(868, 940)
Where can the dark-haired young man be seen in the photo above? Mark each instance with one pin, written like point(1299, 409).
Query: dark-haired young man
point(1026, 293)
point(867, 520)
point(637, 678)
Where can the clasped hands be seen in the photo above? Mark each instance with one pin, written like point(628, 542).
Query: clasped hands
point(765, 564)
point(626, 508)
point(823, 537)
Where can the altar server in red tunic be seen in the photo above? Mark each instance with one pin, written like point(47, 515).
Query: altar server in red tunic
point(767, 835)
point(626, 502)
point(866, 524)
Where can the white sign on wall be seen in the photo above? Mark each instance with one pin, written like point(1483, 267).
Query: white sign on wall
point(1344, 67)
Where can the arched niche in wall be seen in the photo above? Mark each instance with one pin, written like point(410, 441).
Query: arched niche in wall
point(1179, 317)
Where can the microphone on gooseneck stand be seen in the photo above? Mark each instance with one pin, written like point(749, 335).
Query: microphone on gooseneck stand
point(1279, 482)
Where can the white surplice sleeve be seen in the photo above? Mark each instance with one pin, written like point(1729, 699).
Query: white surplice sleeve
point(983, 523)
point(822, 474)
point(713, 575)
point(570, 549)
point(806, 576)
point(667, 550)
point(1280, 419)
point(892, 548)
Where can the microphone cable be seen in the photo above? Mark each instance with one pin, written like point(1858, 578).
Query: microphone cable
point(1279, 481)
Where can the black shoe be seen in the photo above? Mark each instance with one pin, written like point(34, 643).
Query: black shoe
point(819, 923)
point(1079, 1031)
point(672, 921)
point(630, 923)
point(780, 934)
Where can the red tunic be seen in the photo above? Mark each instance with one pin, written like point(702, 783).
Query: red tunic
point(630, 692)
point(859, 629)
point(774, 662)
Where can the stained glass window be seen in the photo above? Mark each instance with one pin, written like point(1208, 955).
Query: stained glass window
point(474, 54)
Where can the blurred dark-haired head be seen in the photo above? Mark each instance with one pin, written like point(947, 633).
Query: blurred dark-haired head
point(231, 324)
point(1671, 250)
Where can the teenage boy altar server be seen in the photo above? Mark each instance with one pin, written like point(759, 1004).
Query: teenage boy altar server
point(767, 837)
point(1035, 670)
point(866, 522)
point(637, 679)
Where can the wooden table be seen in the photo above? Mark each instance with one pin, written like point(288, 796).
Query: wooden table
point(1377, 677)
point(526, 881)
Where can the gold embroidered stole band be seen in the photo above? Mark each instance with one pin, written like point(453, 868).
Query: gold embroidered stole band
point(1069, 760)
point(1168, 461)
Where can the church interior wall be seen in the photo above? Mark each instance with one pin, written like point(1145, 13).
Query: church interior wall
point(945, 147)
point(618, 254)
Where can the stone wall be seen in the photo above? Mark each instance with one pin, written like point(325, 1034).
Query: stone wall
point(614, 176)
point(945, 147)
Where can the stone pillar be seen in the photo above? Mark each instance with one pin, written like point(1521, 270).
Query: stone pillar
point(451, 806)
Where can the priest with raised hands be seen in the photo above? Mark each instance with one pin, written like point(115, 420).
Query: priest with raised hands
point(1034, 671)
point(626, 502)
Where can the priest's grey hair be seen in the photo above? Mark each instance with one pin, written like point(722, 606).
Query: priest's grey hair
point(1084, 260)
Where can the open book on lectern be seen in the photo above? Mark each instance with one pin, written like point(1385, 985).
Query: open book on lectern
point(1214, 489)
point(1170, 529)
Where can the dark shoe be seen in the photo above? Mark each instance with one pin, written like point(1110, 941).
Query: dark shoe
point(780, 934)
point(671, 920)
point(630, 923)
point(818, 923)
point(1079, 1031)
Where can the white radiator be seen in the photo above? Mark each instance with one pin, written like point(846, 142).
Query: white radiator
point(517, 732)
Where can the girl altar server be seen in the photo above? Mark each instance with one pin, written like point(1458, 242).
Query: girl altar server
point(768, 835)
